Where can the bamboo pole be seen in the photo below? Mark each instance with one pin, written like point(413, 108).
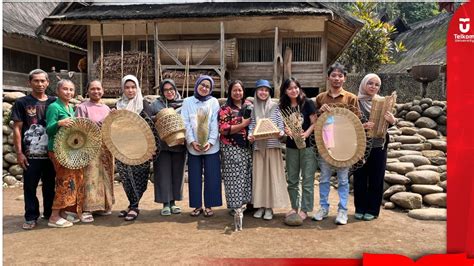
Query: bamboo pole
point(121, 52)
point(222, 55)
point(101, 52)
point(157, 58)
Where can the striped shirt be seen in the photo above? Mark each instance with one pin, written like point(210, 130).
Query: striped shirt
point(276, 118)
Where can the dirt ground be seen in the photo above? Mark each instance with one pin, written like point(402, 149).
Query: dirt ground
point(182, 239)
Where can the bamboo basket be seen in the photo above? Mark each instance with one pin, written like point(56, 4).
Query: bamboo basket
point(170, 127)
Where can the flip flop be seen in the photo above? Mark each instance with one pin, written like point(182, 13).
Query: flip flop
point(61, 223)
point(196, 212)
point(29, 225)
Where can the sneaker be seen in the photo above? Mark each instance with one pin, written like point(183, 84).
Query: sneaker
point(321, 214)
point(358, 216)
point(268, 214)
point(341, 218)
point(259, 213)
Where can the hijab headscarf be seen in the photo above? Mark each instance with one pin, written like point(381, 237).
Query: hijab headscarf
point(135, 104)
point(262, 109)
point(365, 99)
point(177, 101)
point(196, 85)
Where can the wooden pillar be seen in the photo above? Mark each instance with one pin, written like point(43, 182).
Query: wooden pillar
point(324, 56)
point(222, 70)
point(157, 58)
point(101, 74)
point(90, 54)
point(277, 62)
point(121, 52)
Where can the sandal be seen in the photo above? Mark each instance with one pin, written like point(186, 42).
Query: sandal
point(60, 223)
point(71, 217)
point(87, 217)
point(196, 212)
point(292, 211)
point(175, 209)
point(166, 211)
point(132, 215)
point(208, 212)
point(28, 225)
point(123, 213)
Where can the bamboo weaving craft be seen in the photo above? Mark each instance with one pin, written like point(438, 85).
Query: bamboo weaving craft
point(170, 127)
point(265, 129)
point(294, 121)
point(380, 106)
point(202, 119)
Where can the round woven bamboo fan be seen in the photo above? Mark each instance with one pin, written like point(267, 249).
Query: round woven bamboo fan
point(170, 126)
point(340, 137)
point(76, 146)
point(128, 137)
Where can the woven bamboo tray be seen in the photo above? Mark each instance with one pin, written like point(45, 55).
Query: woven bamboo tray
point(128, 137)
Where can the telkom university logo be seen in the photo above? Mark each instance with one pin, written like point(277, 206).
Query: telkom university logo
point(464, 25)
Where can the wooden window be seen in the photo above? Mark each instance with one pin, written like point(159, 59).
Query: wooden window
point(110, 47)
point(305, 49)
point(17, 61)
point(256, 50)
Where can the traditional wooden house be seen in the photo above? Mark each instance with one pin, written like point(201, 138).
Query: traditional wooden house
point(237, 40)
point(24, 51)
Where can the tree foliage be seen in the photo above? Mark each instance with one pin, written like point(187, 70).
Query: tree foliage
point(417, 11)
point(372, 46)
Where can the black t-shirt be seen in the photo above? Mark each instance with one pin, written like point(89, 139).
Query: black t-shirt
point(306, 110)
point(32, 112)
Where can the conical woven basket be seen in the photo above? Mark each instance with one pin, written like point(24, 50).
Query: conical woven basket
point(265, 129)
point(76, 146)
point(128, 137)
point(170, 126)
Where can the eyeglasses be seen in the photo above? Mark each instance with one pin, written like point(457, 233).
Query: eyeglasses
point(168, 90)
point(203, 85)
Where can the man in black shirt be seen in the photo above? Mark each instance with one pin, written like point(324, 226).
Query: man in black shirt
point(31, 142)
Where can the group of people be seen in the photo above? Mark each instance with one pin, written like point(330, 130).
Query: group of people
point(252, 169)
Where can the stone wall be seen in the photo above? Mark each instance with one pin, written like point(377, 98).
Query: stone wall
point(407, 88)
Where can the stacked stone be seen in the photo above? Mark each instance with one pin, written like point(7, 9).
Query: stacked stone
point(415, 179)
point(12, 172)
point(424, 113)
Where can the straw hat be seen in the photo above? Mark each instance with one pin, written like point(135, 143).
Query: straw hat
point(128, 137)
point(76, 146)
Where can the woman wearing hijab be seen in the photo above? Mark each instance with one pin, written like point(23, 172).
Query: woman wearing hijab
point(99, 174)
point(269, 184)
point(169, 165)
point(368, 180)
point(134, 177)
point(234, 118)
point(204, 155)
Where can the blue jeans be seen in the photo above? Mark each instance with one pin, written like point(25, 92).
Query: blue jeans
point(324, 185)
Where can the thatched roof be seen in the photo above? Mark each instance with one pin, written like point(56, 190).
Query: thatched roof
point(68, 21)
point(425, 43)
point(21, 19)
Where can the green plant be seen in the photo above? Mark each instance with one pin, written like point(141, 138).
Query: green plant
point(372, 46)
